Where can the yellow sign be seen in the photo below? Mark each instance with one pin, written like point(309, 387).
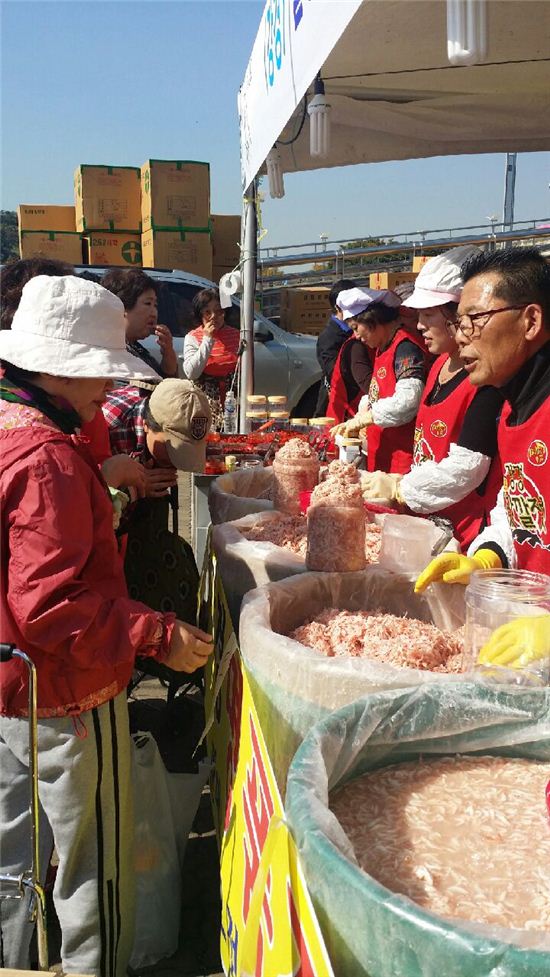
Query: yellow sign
point(269, 927)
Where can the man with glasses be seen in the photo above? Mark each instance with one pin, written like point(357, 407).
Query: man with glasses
point(455, 471)
point(502, 330)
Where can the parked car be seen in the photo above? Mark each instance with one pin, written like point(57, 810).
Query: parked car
point(284, 363)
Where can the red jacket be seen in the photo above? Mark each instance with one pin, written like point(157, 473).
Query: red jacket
point(63, 594)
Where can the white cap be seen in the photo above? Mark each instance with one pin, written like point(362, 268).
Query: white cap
point(354, 301)
point(440, 280)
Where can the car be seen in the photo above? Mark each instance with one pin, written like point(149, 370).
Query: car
point(284, 363)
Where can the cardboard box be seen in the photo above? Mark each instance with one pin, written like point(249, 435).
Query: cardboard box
point(63, 245)
point(107, 198)
point(112, 248)
point(389, 279)
point(226, 235)
point(306, 299)
point(175, 194)
point(419, 261)
point(189, 251)
point(45, 217)
point(219, 270)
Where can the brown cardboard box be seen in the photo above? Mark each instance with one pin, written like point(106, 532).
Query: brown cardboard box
point(389, 279)
point(175, 193)
point(226, 235)
point(304, 309)
point(45, 217)
point(107, 198)
point(419, 261)
point(219, 270)
point(189, 251)
point(112, 248)
point(63, 245)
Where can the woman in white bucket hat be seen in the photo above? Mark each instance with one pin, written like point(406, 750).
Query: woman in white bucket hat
point(64, 602)
point(455, 471)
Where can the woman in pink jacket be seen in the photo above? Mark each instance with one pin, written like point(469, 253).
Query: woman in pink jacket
point(64, 602)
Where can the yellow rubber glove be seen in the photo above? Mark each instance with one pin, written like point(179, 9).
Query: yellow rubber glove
point(456, 568)
point(381, 485)
point(518, 643)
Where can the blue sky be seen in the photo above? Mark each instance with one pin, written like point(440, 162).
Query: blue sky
point(118, 82)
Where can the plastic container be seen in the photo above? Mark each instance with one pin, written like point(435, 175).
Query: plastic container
point(349, 448)
point(336, 538)
point(406, 544)
point(277, 402)
point(299, 422)
point(494, 598)
point(292, 476)
point(256, 418)
point(256, 402)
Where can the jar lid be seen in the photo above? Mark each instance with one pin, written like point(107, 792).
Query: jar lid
point(279, 414)
point(349, 442)
point(256, 399)
point(255, 414)
point(322, 421)
point(276, 400)
point(302, 421)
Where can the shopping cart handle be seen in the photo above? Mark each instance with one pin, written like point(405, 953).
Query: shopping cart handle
point(6, 652)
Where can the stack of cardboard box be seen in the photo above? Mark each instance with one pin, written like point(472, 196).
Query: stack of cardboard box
point(48, 232)
point(226, 235)
point(108, 213)
point(175, 209)
point(419, 261)
point(304, 310)
point(389, 279)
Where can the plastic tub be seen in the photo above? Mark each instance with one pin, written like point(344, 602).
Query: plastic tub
point(494, 598)
point(407, 543)
point(292, 476)
point(336, 538)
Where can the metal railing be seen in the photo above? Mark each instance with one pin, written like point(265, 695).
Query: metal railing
point(323, 262)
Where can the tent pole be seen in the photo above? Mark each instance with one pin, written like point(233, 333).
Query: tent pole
point(249, 257)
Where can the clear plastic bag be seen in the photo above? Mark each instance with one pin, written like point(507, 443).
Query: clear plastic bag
point(165, 805)
point(247, 564)
point(294, 686)
point(367, 929)
point(239, 493)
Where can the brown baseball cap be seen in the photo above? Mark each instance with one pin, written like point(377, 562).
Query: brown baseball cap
point(183, 412)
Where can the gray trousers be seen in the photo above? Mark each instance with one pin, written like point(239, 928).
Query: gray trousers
point(84, 769)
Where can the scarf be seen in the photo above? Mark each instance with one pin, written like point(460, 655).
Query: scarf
point(223, 356)
point(27, 394)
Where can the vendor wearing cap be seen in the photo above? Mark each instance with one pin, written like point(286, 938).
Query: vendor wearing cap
point(351, 374)
point(399, 373)
point(503, 333)
point(455, 471)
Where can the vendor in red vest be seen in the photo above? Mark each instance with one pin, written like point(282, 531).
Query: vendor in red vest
point(503, 333)
point(351, 373)
point(389, 409)
point(210, 352)
point(455, 471)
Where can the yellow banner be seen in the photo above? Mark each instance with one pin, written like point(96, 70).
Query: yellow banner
point(269, 927)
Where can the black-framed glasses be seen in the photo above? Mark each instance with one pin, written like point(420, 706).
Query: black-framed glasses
point(468, 324)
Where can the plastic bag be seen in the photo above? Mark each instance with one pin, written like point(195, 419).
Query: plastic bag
point(294, 686)
point(246, 564)
point(367, 929)
point(239, 493)
point(165, 805)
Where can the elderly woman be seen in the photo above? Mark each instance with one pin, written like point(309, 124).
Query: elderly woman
point(389, 409)
point(210, 352)
point(64, 602)
point(138, 293)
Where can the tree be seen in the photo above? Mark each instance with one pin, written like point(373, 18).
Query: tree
point(9, 242)
point(375, 259)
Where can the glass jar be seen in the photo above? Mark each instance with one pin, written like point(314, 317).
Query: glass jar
point(336, 538)
point(256, 418)
point(496, 597)
point(290, 477)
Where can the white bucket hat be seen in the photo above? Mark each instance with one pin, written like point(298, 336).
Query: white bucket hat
point(354, 301)
point(70, 327)
point(440, 280)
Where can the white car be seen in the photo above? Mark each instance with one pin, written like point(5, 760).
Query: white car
point(284, 363)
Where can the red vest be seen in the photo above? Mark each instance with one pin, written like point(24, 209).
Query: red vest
point(437, 427)
point(223, 356)
point(389, 448)
point(339, 407)
point(526, 482)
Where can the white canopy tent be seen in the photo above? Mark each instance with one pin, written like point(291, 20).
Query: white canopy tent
point(392, 90)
